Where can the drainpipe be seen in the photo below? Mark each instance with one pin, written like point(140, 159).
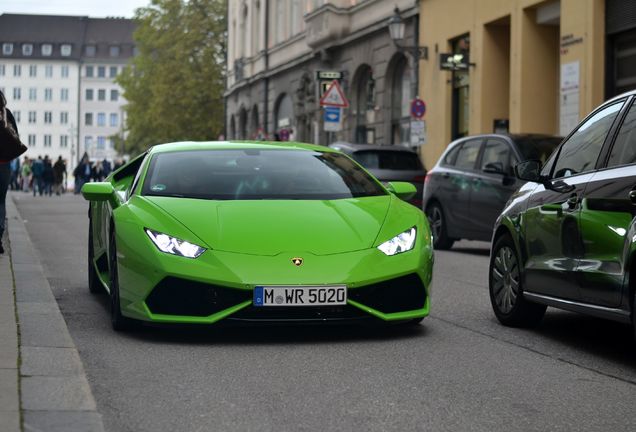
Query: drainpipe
point(266, 77)
point(416, 42)
point(227, 70)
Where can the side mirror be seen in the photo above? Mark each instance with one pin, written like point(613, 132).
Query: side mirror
point(99, 191)
point(494, 168)
point(404, 190)
point(529, 170)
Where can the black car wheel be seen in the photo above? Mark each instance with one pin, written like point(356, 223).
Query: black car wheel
point(436, 220)
point(118, 321)
point(94, 285)
point(505, 286)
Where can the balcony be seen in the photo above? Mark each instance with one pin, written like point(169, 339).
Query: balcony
point(326, 26)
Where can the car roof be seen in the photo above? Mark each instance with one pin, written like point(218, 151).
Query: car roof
point(350, 148)
point(233, 145)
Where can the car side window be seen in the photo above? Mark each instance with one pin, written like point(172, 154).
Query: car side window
point(467, 155)
point(624, 149)
point(449, 159)
point(496, 156)
point(579, 153)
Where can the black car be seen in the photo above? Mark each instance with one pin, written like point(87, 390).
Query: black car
point(466, 190)
point(388, 163)
point(567, 238)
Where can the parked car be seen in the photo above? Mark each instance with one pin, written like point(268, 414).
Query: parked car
point(567, 238)
point(472, 181)
point(388, 163)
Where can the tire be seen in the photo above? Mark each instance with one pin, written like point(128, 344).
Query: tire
point(94, 284)
point(118, 321)
point(634, 315)
point(437, 221)
point(506, 290)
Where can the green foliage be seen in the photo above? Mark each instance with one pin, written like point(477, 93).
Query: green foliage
point(174, 86)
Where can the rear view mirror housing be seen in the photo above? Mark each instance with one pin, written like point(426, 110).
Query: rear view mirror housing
point(529, 170)
point(99, 191)
point(404, 190)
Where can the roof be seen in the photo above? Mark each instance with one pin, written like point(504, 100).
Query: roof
point(350, 148)
point(77, 31)
point(227, 145)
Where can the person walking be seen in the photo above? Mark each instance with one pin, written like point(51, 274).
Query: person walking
point(14, 183)
point(47, 176)
point(59, 172)
point(106, 167)
point(82, 172)
point(26, 174)
point(37, 170)
point(5, 170)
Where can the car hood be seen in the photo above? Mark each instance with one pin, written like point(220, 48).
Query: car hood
point(270, 227)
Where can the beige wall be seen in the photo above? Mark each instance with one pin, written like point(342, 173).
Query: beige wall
point(517, 63)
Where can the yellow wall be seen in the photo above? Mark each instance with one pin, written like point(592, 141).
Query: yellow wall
point(517, 64)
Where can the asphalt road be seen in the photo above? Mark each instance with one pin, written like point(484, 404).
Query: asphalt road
point(458, 371)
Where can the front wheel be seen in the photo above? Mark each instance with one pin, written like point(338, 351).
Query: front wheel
point(118, 321)
point(437, 221)
point(506, 291)
point(94, 284)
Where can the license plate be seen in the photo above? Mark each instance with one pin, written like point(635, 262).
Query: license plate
point(300, 295)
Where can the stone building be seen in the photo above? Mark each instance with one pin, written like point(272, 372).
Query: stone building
point(277, 48)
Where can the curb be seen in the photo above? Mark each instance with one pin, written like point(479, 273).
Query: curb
point(54, 390)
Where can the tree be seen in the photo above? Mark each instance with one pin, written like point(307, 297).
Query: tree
point(174, 85)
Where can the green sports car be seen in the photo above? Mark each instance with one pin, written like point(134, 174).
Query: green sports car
point(199, 232)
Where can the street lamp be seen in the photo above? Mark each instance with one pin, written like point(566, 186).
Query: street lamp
point(397, 28)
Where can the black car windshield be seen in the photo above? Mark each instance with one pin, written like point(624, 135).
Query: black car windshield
point(388, 160)
point(539, 148)
point(249, 174)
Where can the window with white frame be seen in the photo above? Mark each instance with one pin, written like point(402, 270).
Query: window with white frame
point(32, 117)
point(47, 140)
point(48, 94)
point(101, 94)
point(32, 140)
point(101, 142)
point(112, 72)
point(89, 94)
point(65, 50)
point(114, 95)
point(64, 94)
point(64, 71)
point(17, 70)
point(47, 50)
point(88, 142)
point(16, 116)
point(7, 49)
point(48, 71)
point(64, 117)
point(88, 119)
point(48, 117)
point(17, 93)
point(33, 94)
point(101, 119)
point(101, 71)
point(114, 119)
point(90, 50)
point(33, 70)
point(89, 70)
point(63, 141)
point(114, 51)
point(27, 49)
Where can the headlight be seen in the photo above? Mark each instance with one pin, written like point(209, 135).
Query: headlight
point(173, 245)
point(400, 243)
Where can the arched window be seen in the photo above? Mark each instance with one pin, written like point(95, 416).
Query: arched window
point(242, 124)
point(284, 117)
point(232, 128)
point(401, 102)
point(364, 105)
point(254, 123)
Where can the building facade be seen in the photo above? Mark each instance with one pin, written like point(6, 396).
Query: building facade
point(44, 74)
point(529, 66)
point(282, 55)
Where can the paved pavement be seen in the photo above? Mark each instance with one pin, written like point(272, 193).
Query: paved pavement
point(458, 371)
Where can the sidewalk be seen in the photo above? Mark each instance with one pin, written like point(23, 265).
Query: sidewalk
point(43, 386)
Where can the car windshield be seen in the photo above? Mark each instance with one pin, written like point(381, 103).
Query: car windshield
point(251, 174)
point(539, 148)
point(387, 159)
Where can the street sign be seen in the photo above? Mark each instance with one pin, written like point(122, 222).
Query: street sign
point(418, 132)
point(332, 119)
point(334, 96)
point(418, 108)
point(454, 62)
point(328, 75)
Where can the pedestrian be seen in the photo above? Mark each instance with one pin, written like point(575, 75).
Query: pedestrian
point(98, 172)
point(15, 174)
point(37, 171)
point(5, 170)
point(59, 172)
point(82, 173)
point(106, 167)
point(26, 174)
point(47, 176)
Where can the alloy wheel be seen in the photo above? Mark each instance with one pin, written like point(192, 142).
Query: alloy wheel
point(435, 221)
point(505, 279)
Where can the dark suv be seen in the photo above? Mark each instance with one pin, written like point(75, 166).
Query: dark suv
point(567, 238)
point(466, 190)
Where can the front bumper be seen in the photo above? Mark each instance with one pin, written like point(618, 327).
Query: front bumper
point(218, 285)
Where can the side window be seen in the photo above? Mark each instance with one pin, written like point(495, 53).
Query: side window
point(496, 156)
point(450, 157)
point(580, 152)
point(624, 150)
point(467, 155)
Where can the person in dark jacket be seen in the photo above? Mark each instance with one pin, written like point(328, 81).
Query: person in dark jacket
point(82, 172)
point(7, 120)
point(47, 176)
point(59, 172)
point(37, 168)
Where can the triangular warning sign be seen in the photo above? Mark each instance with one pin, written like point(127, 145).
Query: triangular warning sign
point(334, 96)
